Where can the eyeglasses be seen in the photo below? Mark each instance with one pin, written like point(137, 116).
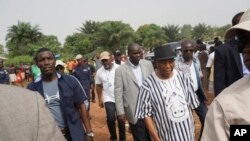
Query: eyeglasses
point(188, 50)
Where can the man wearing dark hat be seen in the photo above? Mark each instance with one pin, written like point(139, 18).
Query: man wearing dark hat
point(166, 99)
point(231, 106)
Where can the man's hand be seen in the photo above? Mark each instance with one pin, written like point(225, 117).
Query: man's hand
point(101, 105)
point(88, 138)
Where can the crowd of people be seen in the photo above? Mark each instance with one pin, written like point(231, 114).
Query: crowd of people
point(156, 99)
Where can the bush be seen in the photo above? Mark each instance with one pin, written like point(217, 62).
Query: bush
point(18, 60)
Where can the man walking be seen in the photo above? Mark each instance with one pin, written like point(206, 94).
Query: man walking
point(166, 99)
point(105, 89)
point(231, 106)
point(191, 66)
point(64, 96)
point(83, 74)
point(128, 79)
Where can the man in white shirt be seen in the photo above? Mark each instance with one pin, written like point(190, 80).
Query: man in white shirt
point(104, 81)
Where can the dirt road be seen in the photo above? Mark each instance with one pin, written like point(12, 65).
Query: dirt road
point(98, 121)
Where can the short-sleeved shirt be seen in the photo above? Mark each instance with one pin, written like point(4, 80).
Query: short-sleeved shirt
point(71, 94)
point(169, 103)
point(106, 78)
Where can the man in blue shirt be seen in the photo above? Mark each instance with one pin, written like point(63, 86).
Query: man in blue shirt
point(64, 97)
point(4, 77)
point(83, 74)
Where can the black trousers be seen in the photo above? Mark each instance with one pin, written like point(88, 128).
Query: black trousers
point(139, 131)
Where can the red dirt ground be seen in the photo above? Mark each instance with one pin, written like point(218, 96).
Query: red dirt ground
point(98, 121)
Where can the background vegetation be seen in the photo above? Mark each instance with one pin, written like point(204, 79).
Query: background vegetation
point(24, 39)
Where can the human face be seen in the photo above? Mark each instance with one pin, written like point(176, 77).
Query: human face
point(79, 61)
point(187, 51)
point(135, 54)
point(46, 62)
point(165, 68)
point(107, 63)
point(246, 50)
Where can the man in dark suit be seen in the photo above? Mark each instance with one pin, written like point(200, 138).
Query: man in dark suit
point(227, 63)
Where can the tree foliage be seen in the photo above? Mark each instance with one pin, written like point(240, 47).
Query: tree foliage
point(114, 35)
point(172, 32)
point(25, 39)
point(186, 31)
point(150, 36)
point(200, 31)
point(19, 36)
point(78, 43)
point(90, 27)
point(1, 49)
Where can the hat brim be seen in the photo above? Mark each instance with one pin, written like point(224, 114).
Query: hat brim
point(164, 58)
point(105, 58)
point(233, 31)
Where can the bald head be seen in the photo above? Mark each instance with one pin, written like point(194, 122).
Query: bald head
point(133, 46)
point(188, 48)
point(186, 43)
point(134, 53)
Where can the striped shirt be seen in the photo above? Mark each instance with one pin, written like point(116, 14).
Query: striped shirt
point(169, 103)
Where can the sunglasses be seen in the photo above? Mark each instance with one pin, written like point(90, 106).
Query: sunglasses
point(188, 50)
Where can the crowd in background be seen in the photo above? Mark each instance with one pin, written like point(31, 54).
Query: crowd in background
point(155, 97)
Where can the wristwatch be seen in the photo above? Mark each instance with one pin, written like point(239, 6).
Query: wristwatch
point(90, 134)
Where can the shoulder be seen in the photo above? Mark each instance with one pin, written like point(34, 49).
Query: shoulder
point(99, 70)
point(14, 91)
point(122, 67)
point(150, 80)
point(143, 61)
point(235, 93)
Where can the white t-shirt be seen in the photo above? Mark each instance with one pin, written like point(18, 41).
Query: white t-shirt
point(210, 60)
point(194, 77)
point(106, 78)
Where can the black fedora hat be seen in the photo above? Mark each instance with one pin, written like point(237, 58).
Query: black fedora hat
point(164, 52)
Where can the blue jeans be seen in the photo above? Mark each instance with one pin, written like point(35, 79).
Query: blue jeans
point(111, 118)
point(139, 131)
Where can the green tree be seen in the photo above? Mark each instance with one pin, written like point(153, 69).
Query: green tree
point(48, 41)
point(200, 31)
point(19, 36)
point(150, 36)
point(90, 27)
point(114, 35)
point(186, 31)
point(172, 32)
point(1, 49)
point(78, 43)
point(220, 31)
